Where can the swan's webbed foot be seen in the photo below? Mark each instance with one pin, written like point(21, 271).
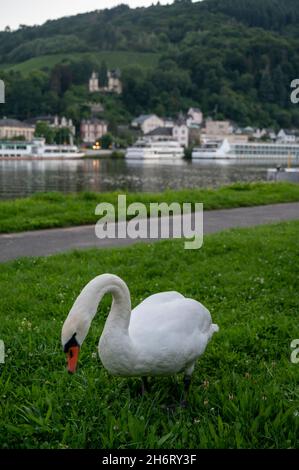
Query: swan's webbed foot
point(174, 406)
point(184, 401)
point(183, 404)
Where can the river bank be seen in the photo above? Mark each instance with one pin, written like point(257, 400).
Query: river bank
point(53, 210)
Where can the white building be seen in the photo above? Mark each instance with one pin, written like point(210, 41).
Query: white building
point(11, 128)
point(194, 117)
point(181, 133)
point(55, 122)
point(178, 132)
point(92, 129)
point(287, 137)
point(94, 83)
point(114, 82)
point(147, 123)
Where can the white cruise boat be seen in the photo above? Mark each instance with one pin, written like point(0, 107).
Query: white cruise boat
point(37, 149)
point(146, 149)
point(246, 150)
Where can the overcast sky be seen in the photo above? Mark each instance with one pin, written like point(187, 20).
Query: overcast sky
point(29, 12)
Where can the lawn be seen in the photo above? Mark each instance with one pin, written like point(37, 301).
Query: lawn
point(245, 388)
point(48, 210)
point(114, 59)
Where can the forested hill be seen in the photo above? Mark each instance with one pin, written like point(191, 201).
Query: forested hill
point(144, 29)
point(233, 58)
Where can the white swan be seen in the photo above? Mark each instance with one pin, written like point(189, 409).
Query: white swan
point(163, 335)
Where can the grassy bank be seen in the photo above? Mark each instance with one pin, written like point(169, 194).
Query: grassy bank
point(48, 210)
point(245, 389)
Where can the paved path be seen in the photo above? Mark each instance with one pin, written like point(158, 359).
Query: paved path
point(47, 242)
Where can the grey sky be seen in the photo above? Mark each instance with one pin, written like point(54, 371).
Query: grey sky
point(29, 12)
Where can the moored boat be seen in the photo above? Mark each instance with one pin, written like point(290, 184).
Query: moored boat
point(37, 149)
point(246, 150)
point(145, 149)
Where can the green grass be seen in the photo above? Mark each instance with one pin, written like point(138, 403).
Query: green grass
point(48, 210)
point(245, 389)
point(119, 59)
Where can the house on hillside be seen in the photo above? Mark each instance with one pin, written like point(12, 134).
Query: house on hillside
point(216, 130)
point(113, 80)
point(178, 132)
point(194, 117)
point(94, 83)
point(11, 128)
point(56, 123)
point(287, 137)
point(92, 130)
point(147, 123)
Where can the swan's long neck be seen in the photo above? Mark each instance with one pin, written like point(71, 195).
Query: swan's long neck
point(85, 307)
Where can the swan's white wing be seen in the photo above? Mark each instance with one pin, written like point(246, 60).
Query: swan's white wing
point(169, 332)
point(160, 298)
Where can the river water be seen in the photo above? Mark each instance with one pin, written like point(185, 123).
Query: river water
point(23, 178)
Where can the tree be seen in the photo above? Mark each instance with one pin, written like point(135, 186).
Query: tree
point(107, 141)
point(44, 130)
point(266, 90)
point(103, 79)
point(62, 136)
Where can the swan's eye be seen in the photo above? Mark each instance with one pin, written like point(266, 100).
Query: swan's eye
point(72, 342)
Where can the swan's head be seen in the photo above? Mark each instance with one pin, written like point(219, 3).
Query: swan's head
point(73, 333)
point(72, 349)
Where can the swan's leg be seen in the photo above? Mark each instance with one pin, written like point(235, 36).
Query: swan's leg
point(187, 383)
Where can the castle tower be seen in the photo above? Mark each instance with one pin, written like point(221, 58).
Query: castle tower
point(94, 83)
point(114, 82)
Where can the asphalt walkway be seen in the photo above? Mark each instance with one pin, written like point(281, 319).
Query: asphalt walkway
point(48, 242)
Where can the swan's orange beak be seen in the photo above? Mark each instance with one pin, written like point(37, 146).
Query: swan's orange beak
point(72, 358)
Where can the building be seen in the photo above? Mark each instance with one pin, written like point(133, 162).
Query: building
point(95, 108)
point(287, 137)
point(114, 82)
point(194, 117)
point(147, 123)
point(12, 128)
point(56, 123)
point(215, 128)
point(94, 83)
point(178, 132)
point(92, 130)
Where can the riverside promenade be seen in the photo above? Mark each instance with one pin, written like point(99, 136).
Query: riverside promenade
point(48, 242)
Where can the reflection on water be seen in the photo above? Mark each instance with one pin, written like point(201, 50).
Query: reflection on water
point(22, 178)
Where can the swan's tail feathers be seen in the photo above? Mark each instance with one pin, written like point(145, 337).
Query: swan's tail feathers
point(213, 329)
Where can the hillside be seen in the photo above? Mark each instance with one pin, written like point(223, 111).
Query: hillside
point(233, 58)
point(113, 59)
